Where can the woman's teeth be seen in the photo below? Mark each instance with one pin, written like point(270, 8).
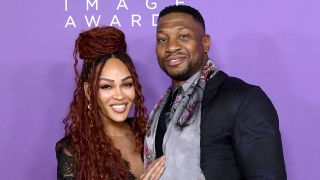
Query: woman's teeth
point(119, 107)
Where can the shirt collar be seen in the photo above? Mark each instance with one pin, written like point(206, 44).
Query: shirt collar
point(188, 83)
point(194, 78)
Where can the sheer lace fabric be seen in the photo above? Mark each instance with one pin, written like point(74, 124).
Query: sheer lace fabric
point(66, 166)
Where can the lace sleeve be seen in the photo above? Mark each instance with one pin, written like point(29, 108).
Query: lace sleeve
point(66, 167)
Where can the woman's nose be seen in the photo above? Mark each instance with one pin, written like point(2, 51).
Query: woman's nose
point(118, 94)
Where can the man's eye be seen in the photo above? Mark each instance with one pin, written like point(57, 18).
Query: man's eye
point(162, 39)
point(184, 36)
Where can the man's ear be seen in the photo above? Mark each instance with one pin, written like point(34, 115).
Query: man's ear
point(86, 88)
point(206, 41)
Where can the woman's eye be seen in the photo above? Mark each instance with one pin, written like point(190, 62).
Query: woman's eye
point(105, 87)
point(128, 85)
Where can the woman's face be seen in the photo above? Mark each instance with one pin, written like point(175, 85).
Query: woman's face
point(116, 91)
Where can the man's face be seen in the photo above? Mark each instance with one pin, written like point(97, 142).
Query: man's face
point(181, 46)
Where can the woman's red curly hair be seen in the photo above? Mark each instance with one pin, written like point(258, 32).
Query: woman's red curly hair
point(94, 153)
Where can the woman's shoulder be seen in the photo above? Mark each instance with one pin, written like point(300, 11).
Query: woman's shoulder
point(64, 146)
point(65, 140)
point(129, 120)
point(65, 159)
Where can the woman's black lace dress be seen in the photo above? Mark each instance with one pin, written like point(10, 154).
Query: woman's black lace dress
point(66, 166)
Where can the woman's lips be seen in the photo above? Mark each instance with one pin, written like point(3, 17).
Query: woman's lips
point(119, 108)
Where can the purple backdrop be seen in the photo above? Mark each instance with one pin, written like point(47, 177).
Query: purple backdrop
point(275, 44)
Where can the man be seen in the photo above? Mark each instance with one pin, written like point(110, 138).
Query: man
point(208, 125)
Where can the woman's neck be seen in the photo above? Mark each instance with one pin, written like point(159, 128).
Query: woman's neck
point(115, 129)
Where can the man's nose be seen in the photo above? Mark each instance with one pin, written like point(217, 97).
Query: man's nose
point(173, 46)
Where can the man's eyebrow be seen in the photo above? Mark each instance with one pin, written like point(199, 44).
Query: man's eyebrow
point(159, 31)
point(179, 28)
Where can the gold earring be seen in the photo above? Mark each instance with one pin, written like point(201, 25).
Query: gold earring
point(89, 106)
point(91, 124)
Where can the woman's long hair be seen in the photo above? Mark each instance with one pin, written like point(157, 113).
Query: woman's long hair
point(95, 155)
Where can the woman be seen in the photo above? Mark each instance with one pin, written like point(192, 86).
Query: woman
point(100, 141)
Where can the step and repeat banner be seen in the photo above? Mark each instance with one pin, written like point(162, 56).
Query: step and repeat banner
point(270, 43)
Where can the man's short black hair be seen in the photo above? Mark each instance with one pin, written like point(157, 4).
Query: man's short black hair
point(183, 9)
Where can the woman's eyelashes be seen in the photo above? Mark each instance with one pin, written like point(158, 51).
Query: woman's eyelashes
point(105, 86)
point(124, 85)
point(128, 84)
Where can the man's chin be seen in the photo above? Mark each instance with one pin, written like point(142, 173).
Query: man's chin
point(179, 77)
point(178, 74)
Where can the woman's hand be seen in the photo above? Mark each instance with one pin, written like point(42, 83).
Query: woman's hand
point(154, 170)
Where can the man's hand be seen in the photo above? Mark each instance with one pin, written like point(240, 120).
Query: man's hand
point(154, 170)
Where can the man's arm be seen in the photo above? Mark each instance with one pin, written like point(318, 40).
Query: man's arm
point(257, 139)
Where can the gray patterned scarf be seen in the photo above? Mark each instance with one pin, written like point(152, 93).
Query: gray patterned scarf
point(186, 110)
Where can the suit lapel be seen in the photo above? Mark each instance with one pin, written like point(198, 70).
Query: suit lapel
point(212, 86)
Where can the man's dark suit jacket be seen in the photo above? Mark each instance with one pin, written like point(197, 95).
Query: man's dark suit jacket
point(240, 136)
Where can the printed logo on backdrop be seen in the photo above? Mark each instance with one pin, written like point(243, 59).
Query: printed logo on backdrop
point(114, 20)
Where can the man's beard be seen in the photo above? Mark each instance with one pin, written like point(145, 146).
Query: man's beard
point(181, 76)
point(188, 72)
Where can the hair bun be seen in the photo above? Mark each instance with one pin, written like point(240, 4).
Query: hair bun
point(100, 41)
